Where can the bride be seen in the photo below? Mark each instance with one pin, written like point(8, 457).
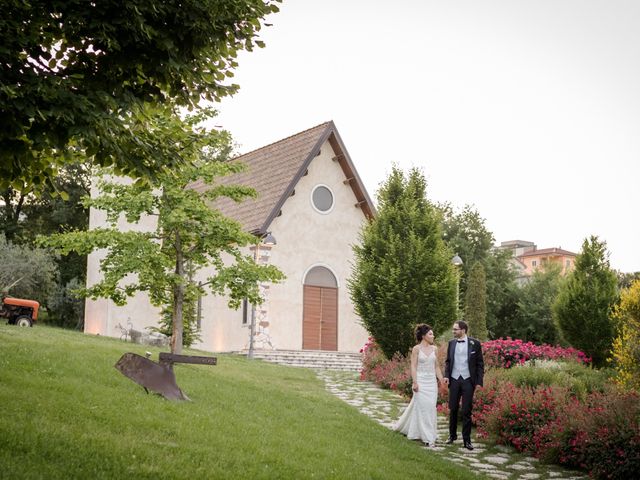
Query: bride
point(419, 420)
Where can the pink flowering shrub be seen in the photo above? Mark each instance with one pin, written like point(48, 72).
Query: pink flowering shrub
point(506, 353)
point(394, 374)
point(484, 399)
point(600, 435)
point(516, 414)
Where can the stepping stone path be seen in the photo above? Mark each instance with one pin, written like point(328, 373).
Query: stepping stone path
point(495, 461)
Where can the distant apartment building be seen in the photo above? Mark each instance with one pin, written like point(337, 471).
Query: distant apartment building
point(527, 258)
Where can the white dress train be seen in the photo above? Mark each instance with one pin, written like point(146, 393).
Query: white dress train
point(419, 420)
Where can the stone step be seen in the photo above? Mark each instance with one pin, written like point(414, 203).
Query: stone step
point(312, 359)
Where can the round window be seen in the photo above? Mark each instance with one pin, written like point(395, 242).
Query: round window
point(322, 199)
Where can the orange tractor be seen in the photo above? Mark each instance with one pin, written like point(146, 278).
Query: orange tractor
point(19, 311)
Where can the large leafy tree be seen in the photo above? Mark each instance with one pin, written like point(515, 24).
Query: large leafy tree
point(476, 302)
point(402, 273)
point(466, 234)
point(585, 301)
point(535, 320)
point(190, 234)
point(74, 75)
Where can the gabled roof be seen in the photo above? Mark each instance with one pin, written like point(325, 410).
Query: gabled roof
point(548, 252)
point(274, 170)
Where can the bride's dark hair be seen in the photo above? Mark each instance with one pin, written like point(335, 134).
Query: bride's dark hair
point(421, 330)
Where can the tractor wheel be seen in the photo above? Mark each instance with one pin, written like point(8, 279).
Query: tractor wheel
point(24, 321)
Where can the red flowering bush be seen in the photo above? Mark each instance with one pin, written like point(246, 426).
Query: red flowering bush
point(506, 353)
point(516, 414)
point(394, 374)
point(600, 435)
point(483, 402)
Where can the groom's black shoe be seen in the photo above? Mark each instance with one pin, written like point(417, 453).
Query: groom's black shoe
point(468, 445)
point(450, 440)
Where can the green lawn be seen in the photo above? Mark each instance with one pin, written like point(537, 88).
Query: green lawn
point(67, 413)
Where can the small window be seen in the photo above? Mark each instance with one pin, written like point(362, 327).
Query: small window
point(568, 263)
point(322, 199)
point(534, 263)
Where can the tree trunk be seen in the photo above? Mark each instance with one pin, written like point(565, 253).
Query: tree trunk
point(178, 300)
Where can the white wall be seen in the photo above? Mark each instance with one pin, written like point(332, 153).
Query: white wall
point(102, 316)
point(305, 238)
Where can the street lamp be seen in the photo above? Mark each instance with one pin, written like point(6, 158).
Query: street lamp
point(268, 240)
point(457, 263)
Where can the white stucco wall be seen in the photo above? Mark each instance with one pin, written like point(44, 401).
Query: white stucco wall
point(103, 317)
point(305, 238)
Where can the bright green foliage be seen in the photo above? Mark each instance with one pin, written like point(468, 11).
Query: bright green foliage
point(626, 346)
point(476, 303)
point(402, 273)
point(466, 234)
point(30, 272)
point(583, 306)
point(535, 320)
point(189, 234)
point(74, 75)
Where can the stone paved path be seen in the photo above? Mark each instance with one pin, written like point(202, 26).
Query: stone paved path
point(495, 461)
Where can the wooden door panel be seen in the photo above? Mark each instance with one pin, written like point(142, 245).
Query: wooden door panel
point(320, 318)
point(311, 315)
point(329, 323)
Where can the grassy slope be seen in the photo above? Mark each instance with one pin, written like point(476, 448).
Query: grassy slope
point(67, 413)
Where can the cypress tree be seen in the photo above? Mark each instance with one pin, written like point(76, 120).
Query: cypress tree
point(402, 273)
point(476, 302)
point(585, 300)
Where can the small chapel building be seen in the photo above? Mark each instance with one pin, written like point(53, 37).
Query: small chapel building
point(312, 201)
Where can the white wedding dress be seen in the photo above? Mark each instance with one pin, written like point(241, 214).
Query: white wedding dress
point(419, 420)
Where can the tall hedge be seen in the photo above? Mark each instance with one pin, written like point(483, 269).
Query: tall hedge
point(475, 309)
point(585, 300)
point(402, 274)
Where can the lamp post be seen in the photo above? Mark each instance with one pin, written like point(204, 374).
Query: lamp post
point(268, 240)
point(457, 263)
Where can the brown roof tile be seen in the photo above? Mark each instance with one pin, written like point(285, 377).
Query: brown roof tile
point(273, 171)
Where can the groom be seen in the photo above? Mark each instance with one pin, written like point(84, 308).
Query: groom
point(463, 371)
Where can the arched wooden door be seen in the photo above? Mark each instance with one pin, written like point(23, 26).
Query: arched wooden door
point(320, 310)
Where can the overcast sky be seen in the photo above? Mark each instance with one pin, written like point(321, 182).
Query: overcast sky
point(529, 110)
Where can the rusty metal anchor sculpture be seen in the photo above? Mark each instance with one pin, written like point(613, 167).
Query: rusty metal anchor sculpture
point(158, 377)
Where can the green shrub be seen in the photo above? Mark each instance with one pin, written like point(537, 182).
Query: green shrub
point(576, 378)
point(530, 376)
